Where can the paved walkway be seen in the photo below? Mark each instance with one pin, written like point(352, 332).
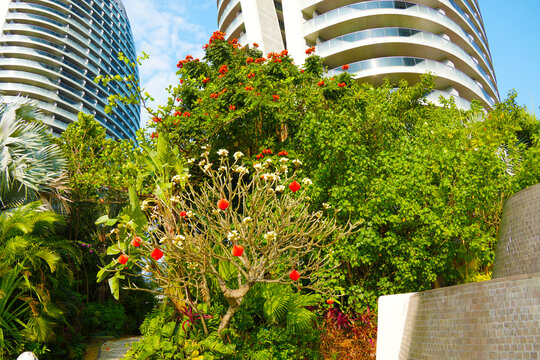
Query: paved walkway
point(115, 349)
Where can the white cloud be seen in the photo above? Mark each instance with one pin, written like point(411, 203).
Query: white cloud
point(165, 31)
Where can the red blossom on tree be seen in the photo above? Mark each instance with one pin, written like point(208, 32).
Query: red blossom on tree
point(136, 241)
point(345, 67)
point(321, 83)
point(156, 254)
point(342, 84)
point(205, 80)
point(294, 186)
point(310, 51)
point(294, 275)
point(223, 204)
point(123, 259)
point(223, 69)
point(275, 97)
point(232, 107)
point(237, 250)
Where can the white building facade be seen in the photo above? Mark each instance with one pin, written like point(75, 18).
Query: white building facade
point(52, 50)
point(377, 38)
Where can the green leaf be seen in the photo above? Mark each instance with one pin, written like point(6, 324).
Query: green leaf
point(114, 285)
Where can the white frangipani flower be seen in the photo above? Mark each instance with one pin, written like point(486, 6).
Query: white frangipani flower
point(223, 152)
point(237, 155)
point(270, 236)
point(247, 220)
point(306, 181)
point(297, 162)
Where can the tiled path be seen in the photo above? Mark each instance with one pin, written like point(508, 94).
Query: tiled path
point(115, 349)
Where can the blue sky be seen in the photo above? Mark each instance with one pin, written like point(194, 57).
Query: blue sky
point(168, 30)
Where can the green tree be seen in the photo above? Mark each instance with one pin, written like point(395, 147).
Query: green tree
point(31, 165)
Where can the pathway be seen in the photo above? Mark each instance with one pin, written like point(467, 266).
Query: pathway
point(115, 349)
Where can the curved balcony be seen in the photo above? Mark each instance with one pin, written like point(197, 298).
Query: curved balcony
point(410, 68)
point(233, 30)
point(460, 102)
point(228, 14)
point(383, 42)
point(385, 13)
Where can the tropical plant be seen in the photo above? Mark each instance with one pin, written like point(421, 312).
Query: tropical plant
point(30, 251)
point(30, 163)
point(232, 231)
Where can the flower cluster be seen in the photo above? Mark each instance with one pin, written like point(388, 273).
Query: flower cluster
point(188, 59)
point(310, 51)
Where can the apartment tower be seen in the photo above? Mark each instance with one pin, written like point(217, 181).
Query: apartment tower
point(377, 38)
point(52, 50)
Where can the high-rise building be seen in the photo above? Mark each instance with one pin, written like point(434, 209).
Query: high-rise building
point(52, 50)
point(377, 38)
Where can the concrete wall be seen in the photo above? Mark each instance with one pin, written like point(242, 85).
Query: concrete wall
point(518, 248)
point(496, 319)
point(4, 4)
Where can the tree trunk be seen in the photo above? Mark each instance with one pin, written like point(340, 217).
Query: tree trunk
point(226, 320)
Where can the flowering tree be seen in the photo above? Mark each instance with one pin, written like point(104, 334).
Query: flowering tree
point(240, 226)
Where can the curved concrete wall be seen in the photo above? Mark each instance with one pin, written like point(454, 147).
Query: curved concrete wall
point(496, 319)
point(518, 248)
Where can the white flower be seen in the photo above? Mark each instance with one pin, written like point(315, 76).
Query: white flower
point(179, 238)
point(162, 240)
point(270, 236)
point(191, 161)
point(257, 166)
point(280, 188)
point(207, 167)
point(240, 169)
point(283, 160)
point(297, 162)
point(306, 181)
point(202, 162)
point(284, 169)
point(204, 147)
point(144, 205)
point(222, 168)
point(176, 179)
point(326, 205)
point(237, 155)
point(189, 213)
point(205, 154)
point(233, 235)
point(270, 191)
point(247, 220)
point(175, 199)
point(223, 152)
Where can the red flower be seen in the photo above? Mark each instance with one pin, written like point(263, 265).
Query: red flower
point(177, 113)
point(205, 80)
point(214, 95)
point(156, 254)
point(259, 157)
point(181, 81)
point(223, 69)
point(267, 152)
point(250, 75)
point(237, 250)
point(342, 84)
point(156, 119)
point(183, 213)
point(123, 259)
point(294, 275)
point(283, 153)
point(275, 97)
point(284, 53)
point(302, 71)
point(249, 88)
point(294, 186)
point(178, 99)
point(255, 45)
point(310, 50)
point(330, 301)
point(320, 83)
point(249, 60)
point(154, 135)
point(136, 241)
point(232, 107)
point(345, 67)
point(223, 204)
point(187, 114)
